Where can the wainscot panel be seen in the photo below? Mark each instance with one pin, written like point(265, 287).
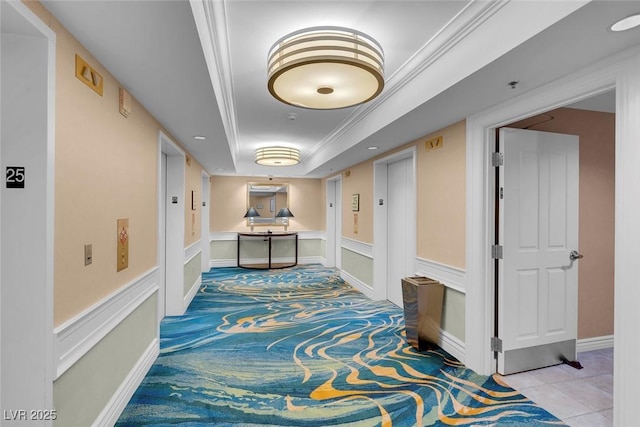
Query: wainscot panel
point(109, 372)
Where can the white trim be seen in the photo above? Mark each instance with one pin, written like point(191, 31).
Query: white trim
point(36, 320)
point(191, 251)
point(192, 292)
point(75, 337)
point(451, 277)
point(380, 217)
point(175, 224)
point(205, 216)
point(452, 345)
point(233, 235)
point(358, 284)
point(211, 22)
point(221, 263)
point(479, 306)
point(232, 262)
point(316, 259)
point(110, 413)
point(595, 343)
point(311, 235)
point(361, 248)
point(223, 235)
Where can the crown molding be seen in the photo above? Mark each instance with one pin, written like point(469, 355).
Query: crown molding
point(211, 21)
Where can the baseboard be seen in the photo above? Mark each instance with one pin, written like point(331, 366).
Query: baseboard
point(192, 292)
point(110, 414)
point(452, 345)
point(596, 343)
point(75, 337)
point(451, 277)
point(358, 284)
point(220, 263)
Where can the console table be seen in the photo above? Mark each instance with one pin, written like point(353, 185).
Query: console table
point(270, 238)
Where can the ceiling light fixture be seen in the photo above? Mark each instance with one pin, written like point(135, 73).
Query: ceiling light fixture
point(373, 147)
point(627, 23)
point(277, 156)
point(199, 137)
point(325, 68)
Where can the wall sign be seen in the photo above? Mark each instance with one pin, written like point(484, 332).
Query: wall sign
point(355, 202)
point(15, 176)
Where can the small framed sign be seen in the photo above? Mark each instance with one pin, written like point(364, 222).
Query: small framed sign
point(355, 202)
point(15, 176)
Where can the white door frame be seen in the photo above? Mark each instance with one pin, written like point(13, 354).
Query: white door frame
point(27, 268)
point(174, 231)
point(334, 222)
point(205, 240)
point(619, 72)
point(380, 219)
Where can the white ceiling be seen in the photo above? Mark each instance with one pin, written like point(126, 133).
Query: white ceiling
point(200, 67)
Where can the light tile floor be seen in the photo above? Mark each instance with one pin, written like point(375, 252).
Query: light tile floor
point(579, 397)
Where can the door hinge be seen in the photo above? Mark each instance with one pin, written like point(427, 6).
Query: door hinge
point(496, 344)
point(496, 252)
point(501, 193)
point(497, 159)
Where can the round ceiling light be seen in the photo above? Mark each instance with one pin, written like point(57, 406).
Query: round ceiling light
point(277, 156)
point(325, 68)
point(627, 23)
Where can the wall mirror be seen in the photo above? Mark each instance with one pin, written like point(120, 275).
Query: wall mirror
point(267, 199)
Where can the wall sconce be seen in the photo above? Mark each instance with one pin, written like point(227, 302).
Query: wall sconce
point(285, 214)
point(251, 214)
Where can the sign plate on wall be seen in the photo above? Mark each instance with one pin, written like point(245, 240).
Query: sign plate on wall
point(123, 244)
point(15, 176)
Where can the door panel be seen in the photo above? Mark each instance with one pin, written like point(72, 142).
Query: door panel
point(538, 227)
point(399, 190)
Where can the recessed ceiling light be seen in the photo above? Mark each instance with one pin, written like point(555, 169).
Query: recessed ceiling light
point(627, 23)
point(200, 137)
point(373, 147)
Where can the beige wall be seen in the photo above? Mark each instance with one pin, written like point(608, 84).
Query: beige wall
point(596, 212)
point(105, 169)
point(358, 180)
point(442, 197)
point(229, 203)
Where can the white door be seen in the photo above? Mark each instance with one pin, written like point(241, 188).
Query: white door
point(334, 223)
point(538, 228)
point(399, 217)
point(162, 238)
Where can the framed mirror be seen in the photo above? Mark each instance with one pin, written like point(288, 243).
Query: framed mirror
point(267, 199)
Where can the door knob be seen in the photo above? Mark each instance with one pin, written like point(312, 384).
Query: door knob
point(574, 255)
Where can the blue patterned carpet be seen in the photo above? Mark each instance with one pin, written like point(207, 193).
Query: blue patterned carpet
point(300, 347)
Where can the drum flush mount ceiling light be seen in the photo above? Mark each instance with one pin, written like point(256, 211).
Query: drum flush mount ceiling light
point(277, 156)
point(325, 68)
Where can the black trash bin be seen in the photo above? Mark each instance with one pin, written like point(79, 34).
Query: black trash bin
point(422, 299)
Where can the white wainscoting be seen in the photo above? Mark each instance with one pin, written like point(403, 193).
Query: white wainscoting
point(192, 251)
point(452, 345)
point(233, 262)
point(112, 411)
point(451, 277)
point(361, 248)
point(192, 292)
point(358, 284)
point(75, 337)
point(597, 343)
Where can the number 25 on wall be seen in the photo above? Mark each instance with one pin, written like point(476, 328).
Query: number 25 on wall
point(15, 176)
